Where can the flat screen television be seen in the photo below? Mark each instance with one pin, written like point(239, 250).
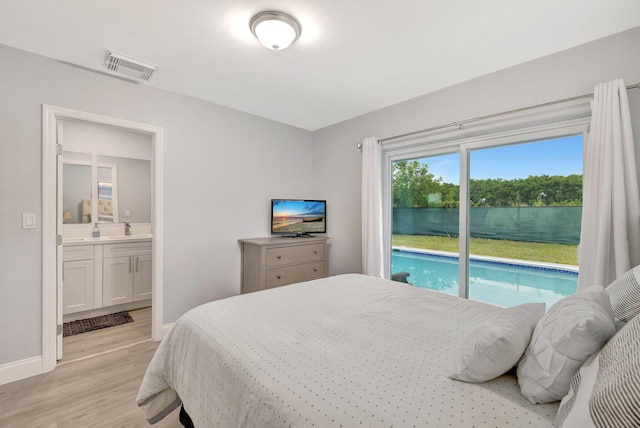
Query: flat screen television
point(298, 217)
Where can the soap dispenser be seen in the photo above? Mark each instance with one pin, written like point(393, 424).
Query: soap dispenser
point(96, 231)
point(127, 229)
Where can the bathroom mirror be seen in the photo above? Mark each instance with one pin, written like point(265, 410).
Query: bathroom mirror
point(76, 176)
point(121, 188)
point(129, 181)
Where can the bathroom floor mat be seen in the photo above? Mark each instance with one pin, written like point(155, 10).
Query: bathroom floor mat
point(96, 323)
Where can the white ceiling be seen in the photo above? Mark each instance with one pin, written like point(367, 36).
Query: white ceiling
point(353, 56)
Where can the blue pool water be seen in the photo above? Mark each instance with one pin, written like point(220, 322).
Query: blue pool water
point(500, 283)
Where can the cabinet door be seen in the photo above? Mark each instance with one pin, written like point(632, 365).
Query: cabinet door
point(117, 281)
point(142, 277)
point(77, 285)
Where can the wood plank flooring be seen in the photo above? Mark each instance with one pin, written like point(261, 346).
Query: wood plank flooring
point(99, 341)
point(91, 387)
point(96, 392)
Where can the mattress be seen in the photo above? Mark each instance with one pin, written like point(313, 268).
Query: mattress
point(348, 350)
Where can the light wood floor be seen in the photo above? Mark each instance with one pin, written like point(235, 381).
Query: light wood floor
point(99, 341)
point(91, 387)
point(95, 392)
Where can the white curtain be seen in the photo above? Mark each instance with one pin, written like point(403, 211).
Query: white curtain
point(610, 236)
point(372, 243)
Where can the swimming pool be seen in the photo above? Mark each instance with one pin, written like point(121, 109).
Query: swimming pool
point(497, 282)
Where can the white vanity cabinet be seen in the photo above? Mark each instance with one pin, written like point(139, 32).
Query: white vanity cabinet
point(106, 275)
point(126, 270)
point(78, 278)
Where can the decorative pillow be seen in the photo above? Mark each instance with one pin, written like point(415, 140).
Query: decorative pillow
point(624, 293)
point(605, 390)
point(574, 407)
point(495, 346)
point(566, 336)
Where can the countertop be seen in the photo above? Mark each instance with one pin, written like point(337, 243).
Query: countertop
point(88, 240)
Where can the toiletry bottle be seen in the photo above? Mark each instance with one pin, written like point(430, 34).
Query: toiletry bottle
point(96, 231)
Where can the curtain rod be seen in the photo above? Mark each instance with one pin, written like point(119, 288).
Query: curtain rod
point(490, 116)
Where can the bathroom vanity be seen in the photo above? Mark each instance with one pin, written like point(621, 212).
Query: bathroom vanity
point(106, 274)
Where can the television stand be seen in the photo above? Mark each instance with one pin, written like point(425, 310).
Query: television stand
point(273, 262)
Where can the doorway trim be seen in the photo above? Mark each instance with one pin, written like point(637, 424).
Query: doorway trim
point(50, 116)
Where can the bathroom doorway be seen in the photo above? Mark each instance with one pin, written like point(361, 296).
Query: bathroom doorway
point(55, 232)
point(105, 184)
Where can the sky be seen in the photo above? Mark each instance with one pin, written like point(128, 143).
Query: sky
point(559, 156)
point(291, 207)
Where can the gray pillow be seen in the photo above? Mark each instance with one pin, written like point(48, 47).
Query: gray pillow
point(624, 294)
point(604, 391)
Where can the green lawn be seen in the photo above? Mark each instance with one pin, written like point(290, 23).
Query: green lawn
point(550, 253)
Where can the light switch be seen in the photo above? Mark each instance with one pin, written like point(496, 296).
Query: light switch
point(127, 213)
point(28, 220)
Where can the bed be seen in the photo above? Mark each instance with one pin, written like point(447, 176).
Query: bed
point(348, 350)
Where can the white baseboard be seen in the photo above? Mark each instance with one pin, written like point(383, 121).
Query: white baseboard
point(106, 310)
point(22, 369)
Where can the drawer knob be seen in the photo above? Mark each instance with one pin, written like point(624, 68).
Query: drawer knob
point(315, 270)
point(279, 277)
point(315, 252)
point(279, 257)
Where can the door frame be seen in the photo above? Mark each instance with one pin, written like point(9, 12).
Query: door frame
point(50, 263)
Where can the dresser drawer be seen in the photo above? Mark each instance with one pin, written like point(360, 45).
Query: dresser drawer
point(295, 254)
point(77, 252)
point(291, 274)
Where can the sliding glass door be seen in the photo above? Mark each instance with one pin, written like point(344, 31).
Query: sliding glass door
point(525, 207)
point(425, 221)
point(495, 220)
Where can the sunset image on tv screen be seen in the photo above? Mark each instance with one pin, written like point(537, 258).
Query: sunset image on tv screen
point(297, 216)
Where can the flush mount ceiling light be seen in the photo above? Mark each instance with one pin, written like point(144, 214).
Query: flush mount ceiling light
point(275, 30)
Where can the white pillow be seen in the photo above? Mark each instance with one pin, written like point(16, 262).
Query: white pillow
point(574, 407)
point(566, 336)
point(495, 346)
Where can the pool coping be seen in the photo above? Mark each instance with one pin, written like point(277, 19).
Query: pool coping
point(554, 267)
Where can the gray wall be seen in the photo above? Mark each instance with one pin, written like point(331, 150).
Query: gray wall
point(337, 162)
point(221, 169)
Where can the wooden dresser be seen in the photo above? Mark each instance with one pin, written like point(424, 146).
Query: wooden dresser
point(272, 262)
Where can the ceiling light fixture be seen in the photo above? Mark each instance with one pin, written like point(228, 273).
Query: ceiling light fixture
point(275, 30)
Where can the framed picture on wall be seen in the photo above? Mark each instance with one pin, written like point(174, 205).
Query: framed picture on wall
point(105, 190)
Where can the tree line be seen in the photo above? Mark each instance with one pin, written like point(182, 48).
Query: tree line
point(415, 187)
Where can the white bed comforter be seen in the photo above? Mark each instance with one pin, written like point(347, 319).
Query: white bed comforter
point(343, 351)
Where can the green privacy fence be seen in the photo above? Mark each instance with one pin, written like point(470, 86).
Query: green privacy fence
point(530, 224)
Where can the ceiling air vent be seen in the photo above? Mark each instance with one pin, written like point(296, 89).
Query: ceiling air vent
point(129, 66)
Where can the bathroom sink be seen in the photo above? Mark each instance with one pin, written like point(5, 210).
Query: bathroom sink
point(124, 237)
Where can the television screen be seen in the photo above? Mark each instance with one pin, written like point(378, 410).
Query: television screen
point(298, 216)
